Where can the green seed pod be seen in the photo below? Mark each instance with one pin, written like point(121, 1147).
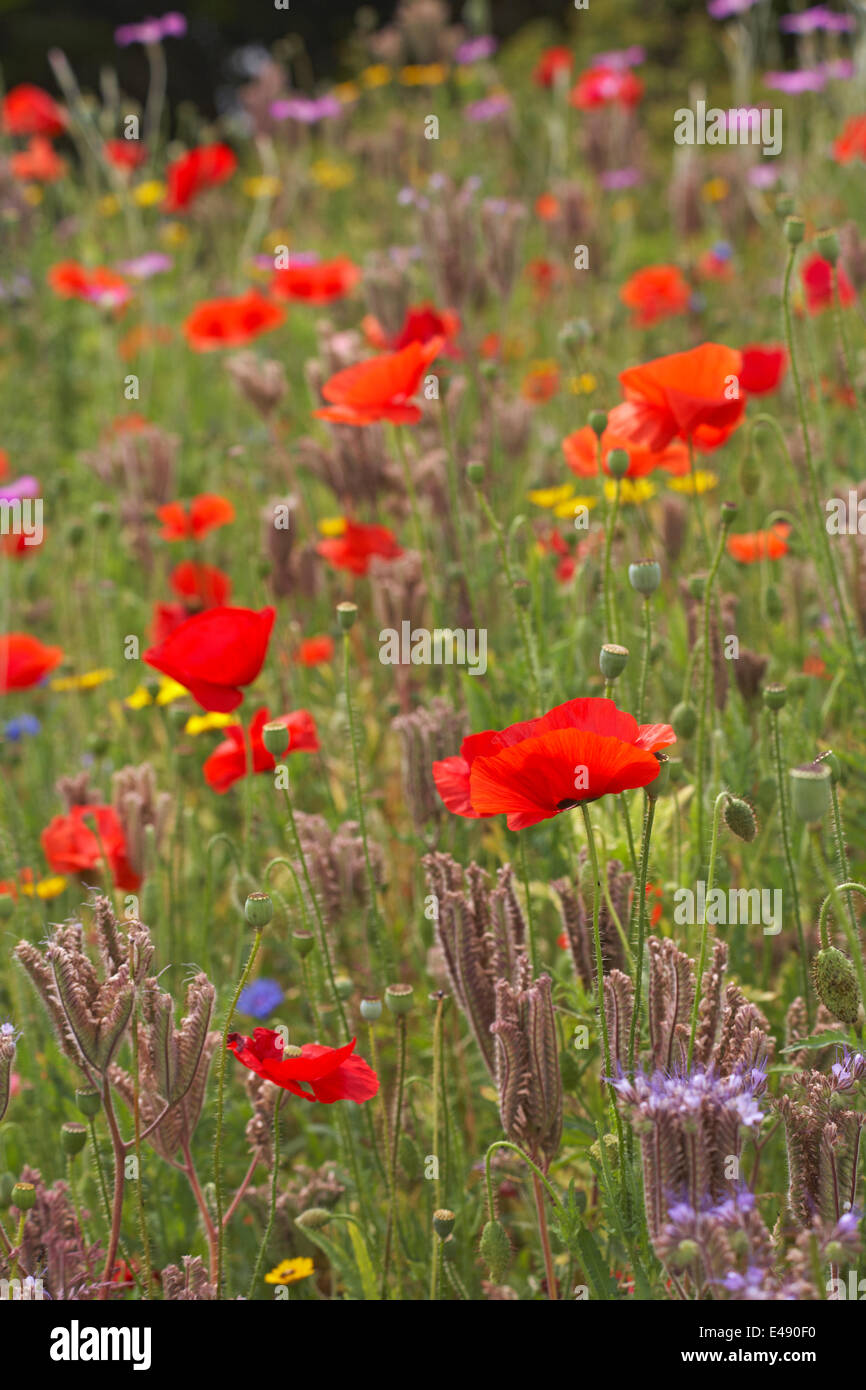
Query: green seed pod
point(618, 463)
point(313, 1219)
point(836, 984)
point(475, 472)
point(612, 660)
point(810, 791)
point(303, 941)
point(522, 593)
point(399, 998)
point(371, 1008)
point(24, 1196)
point(697, 585)
point(276, 739)
point(827, 243)
point(346, 615)
point(258, 910)
point(685, 720)
point(740, 818)
point(443, 1222)
point(662, 783)
point(775, 696)
point(88, 1101)
point(73, 1137)
point(784, 204)
point(645, 576)
point(495, 1250)
point(773, 604)
point(343, 986)
point(727, 514)
point(598, 422)
point(795, 230)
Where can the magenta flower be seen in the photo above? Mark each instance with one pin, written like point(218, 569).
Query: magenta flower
point(151, 31)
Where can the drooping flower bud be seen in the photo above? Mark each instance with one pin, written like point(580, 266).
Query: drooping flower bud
point(836, 984)
point(495, 1250)
point(313, 1219)
point(740, 818)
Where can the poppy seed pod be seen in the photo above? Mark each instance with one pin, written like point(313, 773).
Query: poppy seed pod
point(612, 660)
point(740, 818)
point(343, 986)
point(24, 1196)
point(663, 781)
point(443, 1223)
point(795, 230)
point(775, 696)
point(303, 941)
point(371, 1008)
point(258, 910)
point(475, 472)
point(346, 615)
point(810, 791)
point(618, 463)
point(697, 584)
point(598, 422)
point(784, 205)
point(827, 242)
point(399, 998)
point(522, 593)
point(73, 1137)
point(645, 577)
point(88, 1102)
point(836, 984)
point(727, 513)
point(276, 738)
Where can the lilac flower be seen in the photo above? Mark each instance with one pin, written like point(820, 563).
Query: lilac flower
point(488, 108)
point(763, 176)
point(846, 1073)
point(143, 267)
point(817, 18)
point(307, 110)
point(261, 998)
point(724, 9)
point(14, 730)
point(620, 58)
point(151, 31)
point(615, 179)
point(839, 69)
point(793, 83)
point(25, 486)
point(476, 50)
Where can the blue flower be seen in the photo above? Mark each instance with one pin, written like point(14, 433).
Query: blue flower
point(22, 724)
point(261, 998)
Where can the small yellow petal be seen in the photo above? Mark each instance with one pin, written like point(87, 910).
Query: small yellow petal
point(573, 505)
point(550, 496)
point(170, 690)
point(704, 481)
point(633, 491)
point(48, 888)
point(146, 195)
point(201, 723)
point(331, 525)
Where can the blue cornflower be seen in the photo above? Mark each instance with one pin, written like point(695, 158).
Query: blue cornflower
point(261, 998)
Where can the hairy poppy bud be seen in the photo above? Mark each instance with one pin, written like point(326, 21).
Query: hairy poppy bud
point(313, 1219)
point(832, 762)
point(612, 660)
point(836, 984)
point(371, 1008)
point(443, 1223)
point(618, 463)
point(399, 998)
point(697, 584)
point(73, 1137)
point(495, 1250)
point(645, 577)
point(24, 1196)
point(258, 910)
point(740, 818)
point(810, 791)
point(684, 719)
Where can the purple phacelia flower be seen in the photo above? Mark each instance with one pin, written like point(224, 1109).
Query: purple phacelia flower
point(307, 110)
point(150, 31)
point(476, 50)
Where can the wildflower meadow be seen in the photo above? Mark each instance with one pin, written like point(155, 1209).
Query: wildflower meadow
point(433, 668)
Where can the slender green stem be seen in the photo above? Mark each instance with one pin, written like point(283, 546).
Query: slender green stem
point(645, 662)
point(523, 621)
point(317, 911)
point(376, 944)
point(266, 1236)
point(634, 1030)
point(609, 607)
point(395, 1144)
point(702, 958)
point(784, 823)
point(706, 664)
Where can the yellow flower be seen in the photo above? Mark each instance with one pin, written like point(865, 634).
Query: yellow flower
point(88, 681)
point(108, 206)
point(376, 76)
point(346, 91)
point(424, 75)
point(704, 481)
point(573, 505)
point(173, 234)
point(168, 691)
point(714, 190)
point(582, 385)
point(201, 723)
point(331, 174)
point(32, 194)
point(262, 186)
point(48, 888)
point(632, 490)
point(550, 496)
point(331, 525)
point(290, 1271)
point(623, 209)
point(146, 195)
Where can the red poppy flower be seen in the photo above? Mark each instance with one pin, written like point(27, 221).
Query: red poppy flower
point(817, 277)
point(544, 275)
point(199, 169)
point(229, 762)
point(355, 548)
point(201, 584)
point(423, 323)
point(581, 455)
point(332, 1073)
point(229, 323)
point(566, 565)
point(214, 653)
point(39, 163)
point(551, 63)
point(314, 650)
point(763, 368)
point(851, 144)
point(167, 618)
point(605, 87)
point(28, 110)
point(547, 207)
point(712, 266)
point(541, 383)
point(686, 394)
point(531, 771)
point(24, 661)
point(72, 847)
point(657, 292)
point(380, 389)
point(70, 280)
point(321, 283)
point(204, 513)
point(125, 154)
point(751, 546)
